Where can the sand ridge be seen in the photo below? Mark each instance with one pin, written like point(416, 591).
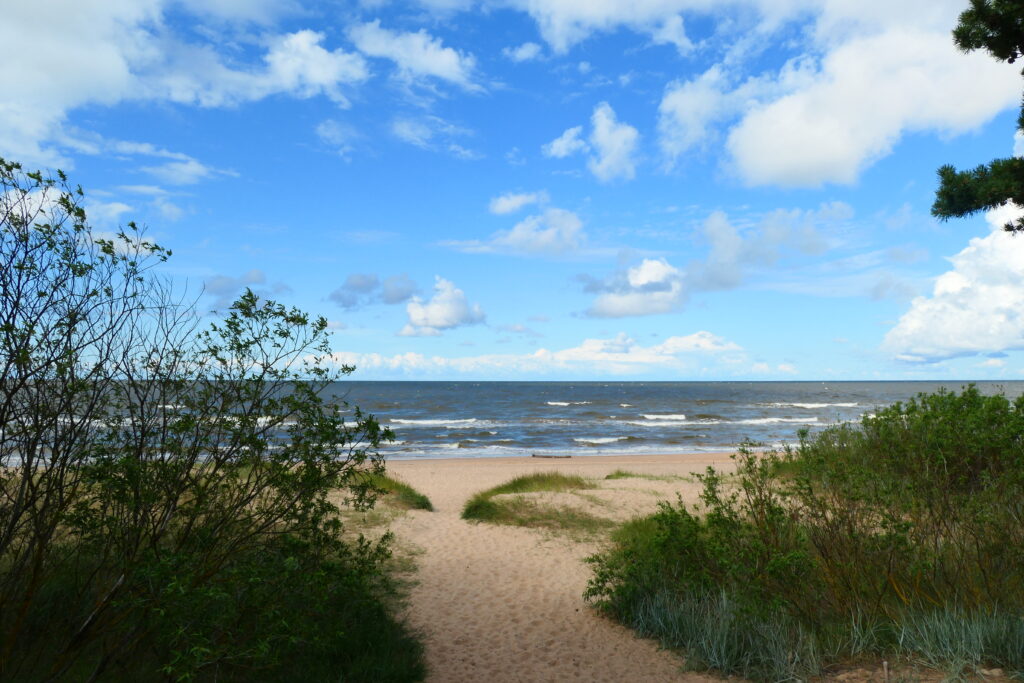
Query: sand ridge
point(497, 603)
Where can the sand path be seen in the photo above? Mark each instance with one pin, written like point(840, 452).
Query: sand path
point(499, 603)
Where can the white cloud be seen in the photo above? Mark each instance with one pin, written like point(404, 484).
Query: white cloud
point(512, 202)
point(448, 308)
point(295, 64)
point(417, 55)
point(866, 94)
point(695, 354)
point(614, 145)
point(566, 144)
point(975, 308)
point(130, 53)
point(672, 32)
point(564, 23)
point(523, 53)
point(654, 286)
point(186, 172)
point(106, 214)
point(552, 233)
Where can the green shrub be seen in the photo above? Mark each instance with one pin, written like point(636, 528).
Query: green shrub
point(165, 500)
point(901, 534)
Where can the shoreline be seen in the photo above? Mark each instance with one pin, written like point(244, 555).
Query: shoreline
point(542, 457)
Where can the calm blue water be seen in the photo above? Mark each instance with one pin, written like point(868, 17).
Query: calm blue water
point(483, 419)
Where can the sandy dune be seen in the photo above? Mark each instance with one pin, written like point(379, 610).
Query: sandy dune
point(505, 604)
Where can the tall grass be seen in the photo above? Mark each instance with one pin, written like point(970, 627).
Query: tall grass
point(901, 535)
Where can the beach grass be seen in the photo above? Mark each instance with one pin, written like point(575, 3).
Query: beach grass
point(399, 494)
point(627, 474)
point(506, 504)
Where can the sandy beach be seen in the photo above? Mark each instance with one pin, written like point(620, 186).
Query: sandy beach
point(497, 603)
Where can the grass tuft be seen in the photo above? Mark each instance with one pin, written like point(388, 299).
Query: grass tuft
point(517, 510)
point(627, 474)
point(399, 494)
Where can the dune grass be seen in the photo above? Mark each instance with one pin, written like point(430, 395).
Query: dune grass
point(627, 474)
point(399, 494)
point(517, 510)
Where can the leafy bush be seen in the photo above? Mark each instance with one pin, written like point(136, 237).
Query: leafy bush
point(865, 538)
point(164, 497)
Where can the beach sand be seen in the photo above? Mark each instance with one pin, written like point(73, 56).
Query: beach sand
point(498, 603)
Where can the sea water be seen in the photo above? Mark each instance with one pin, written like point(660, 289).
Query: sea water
point(487, 419)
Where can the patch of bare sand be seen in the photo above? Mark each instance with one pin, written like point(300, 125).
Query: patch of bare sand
point(500, 604)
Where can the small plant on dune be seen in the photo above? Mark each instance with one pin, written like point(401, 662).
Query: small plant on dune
point(627, 474)
point(518, 510)
point(900, 535)
point(398, 493)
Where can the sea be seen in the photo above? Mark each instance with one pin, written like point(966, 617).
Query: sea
point(493, 419)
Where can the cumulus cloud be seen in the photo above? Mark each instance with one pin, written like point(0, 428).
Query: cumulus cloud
point(130, 53)
point(865, 95)
point(294, 63)
point(691, 111)
point(360, 289)
point(522, 53)
point(612, 145)
point(554, 232)
point(566, 144)
point(513, 201)
point(417, 55)
point(975, 308)
point(447, 309)
point(564, 24)
point(653, 286)
point(695, 354)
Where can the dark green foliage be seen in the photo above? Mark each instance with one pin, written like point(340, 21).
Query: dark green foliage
point(998, 27)
point(165, 502)
point(896, 536)
point(993, 25)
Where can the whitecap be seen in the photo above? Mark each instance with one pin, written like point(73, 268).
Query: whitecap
point(814, 406)
point(601, 439)
point(434, 423)
point(665, 416)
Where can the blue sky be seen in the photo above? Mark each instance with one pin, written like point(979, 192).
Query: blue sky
point(549, 189)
